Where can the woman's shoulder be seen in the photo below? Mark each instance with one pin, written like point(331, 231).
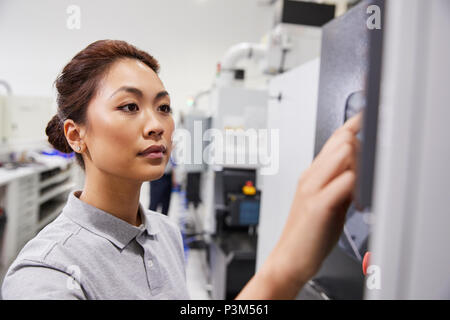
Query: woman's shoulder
point(53, 236)
point(44, 262)
point(42, 257)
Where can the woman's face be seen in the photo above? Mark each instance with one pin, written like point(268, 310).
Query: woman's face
point(130, 112)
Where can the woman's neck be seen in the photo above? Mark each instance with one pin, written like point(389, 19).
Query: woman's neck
point(112, 194)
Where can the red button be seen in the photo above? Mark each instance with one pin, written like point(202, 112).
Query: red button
point(366, 262)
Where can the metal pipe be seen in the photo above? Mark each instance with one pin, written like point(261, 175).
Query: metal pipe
point(7, 86)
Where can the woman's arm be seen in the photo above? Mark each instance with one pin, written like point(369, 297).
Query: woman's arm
point(28, 280)
point(315, 221)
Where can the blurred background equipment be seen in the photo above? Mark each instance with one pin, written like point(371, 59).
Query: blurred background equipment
point(23, 120)
point(161, 190)
point(231, 216)
point(34, 179)
point(32, 194)
point(232, 251)
point(292, 108)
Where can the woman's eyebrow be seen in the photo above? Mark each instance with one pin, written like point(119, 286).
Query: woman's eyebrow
point(133, 90)
point(139, 93)
point(160, 95)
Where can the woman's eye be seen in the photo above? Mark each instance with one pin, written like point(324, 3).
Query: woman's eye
point(165, 108)
point(131, 107)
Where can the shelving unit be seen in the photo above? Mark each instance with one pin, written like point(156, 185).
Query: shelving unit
point(51, 212)
point(54, 186)
point(55, 179)
point(32, 197)
point(55, 191)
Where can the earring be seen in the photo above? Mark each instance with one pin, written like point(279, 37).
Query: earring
point(78, 148)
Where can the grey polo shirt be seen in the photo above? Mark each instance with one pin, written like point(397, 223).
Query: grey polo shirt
point(87, 253)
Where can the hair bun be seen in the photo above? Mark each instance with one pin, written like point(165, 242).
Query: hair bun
point(56, 137)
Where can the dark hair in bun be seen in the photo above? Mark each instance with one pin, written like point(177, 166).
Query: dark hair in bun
point(78, 83)
point(56, 137)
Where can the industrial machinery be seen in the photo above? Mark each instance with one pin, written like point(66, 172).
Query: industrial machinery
point(222, 182)
point(232, 187)
point(292, 109)
point(398, 73)
point(343, 87)
point(245, 150)
point(22, 121)
point(34, 179)
point(232, 252)
point(315, 99)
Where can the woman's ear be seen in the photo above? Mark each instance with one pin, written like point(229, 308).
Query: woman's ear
point(74, 134)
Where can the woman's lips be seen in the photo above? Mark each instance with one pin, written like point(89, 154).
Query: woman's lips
point(154, 152)
point(153, 155)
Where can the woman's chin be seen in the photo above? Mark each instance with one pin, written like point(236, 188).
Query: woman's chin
point(150, 175)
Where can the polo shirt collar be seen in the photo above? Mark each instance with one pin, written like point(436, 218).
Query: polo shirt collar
point(105, 224)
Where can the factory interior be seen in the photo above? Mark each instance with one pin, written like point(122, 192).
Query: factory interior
point(257, 88)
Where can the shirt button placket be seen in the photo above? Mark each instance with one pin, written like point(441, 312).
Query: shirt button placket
point(148, 264)
point(153, 272)
point(154, 276)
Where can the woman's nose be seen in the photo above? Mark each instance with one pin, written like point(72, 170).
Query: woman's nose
point(153, 127)
point(156, 131)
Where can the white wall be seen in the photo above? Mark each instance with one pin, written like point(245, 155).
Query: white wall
point(295, 117)
point(188, 37)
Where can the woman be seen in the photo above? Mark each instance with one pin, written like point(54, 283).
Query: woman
point(114, 112)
